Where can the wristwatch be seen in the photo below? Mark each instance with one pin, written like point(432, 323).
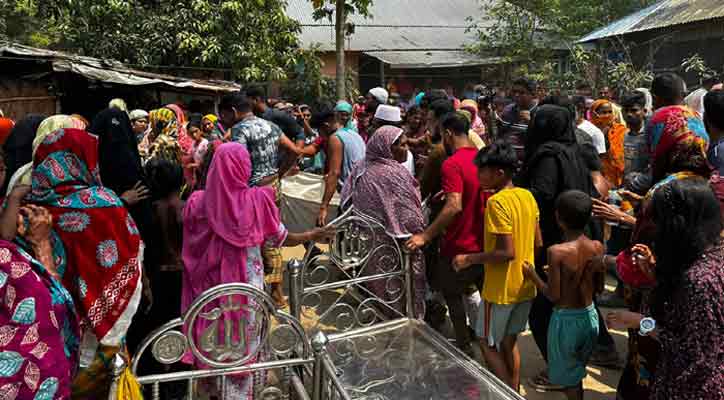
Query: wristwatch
point(646, 326)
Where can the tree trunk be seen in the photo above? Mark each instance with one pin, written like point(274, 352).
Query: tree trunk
point(339, 28)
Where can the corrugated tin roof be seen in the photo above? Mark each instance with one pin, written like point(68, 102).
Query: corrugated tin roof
point(394, 25)
point(112, 71)
point(660, 15)
point(431, 59)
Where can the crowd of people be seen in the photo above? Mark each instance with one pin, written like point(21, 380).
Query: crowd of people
point(515, 203)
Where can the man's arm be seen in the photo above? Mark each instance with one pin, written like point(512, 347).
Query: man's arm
point(538, 241)
point(453, 207)
point(334, 163)
point(503, 252)
point(288, 145)
point(309, 150)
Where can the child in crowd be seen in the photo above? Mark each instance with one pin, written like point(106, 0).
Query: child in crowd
point(511, 235)
point(572, 281)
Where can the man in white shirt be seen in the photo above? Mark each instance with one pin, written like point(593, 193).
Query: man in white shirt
point(599, 142)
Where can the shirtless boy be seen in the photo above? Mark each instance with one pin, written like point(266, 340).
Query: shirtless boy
point(572, 282)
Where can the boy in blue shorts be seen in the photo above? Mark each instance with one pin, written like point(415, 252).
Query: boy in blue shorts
point(572, 281)
point(511, 236)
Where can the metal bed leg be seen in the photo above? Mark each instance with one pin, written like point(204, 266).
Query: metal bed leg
point(319, 346)
point(294, 271)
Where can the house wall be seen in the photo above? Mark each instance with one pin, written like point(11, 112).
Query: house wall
point(26, 89)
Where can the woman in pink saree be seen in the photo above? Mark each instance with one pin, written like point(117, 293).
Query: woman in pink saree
point(225, 227)
point(382, 188)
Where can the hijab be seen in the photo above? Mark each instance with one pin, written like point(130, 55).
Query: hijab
point(184, 140)
point(6, 126)
point(18, 148)
point(119, 161)
point(383, 188)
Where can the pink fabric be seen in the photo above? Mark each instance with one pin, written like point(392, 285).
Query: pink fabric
point(222, 222)
point(184, 140)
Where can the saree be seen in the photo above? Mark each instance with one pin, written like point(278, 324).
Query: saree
point(162, 143)
point(382, 188)
point(225, 226)
point(39, 330)
point(678, 143)
point(184, 140)
point(613, 163)
point(95, 241)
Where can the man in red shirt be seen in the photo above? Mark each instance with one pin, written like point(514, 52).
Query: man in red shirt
point(461, 219)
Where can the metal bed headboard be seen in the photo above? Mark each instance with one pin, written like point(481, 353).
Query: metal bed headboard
point(343, 272)
point(282, 342)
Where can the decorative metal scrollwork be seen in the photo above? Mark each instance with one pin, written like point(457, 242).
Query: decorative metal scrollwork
point(170, 347)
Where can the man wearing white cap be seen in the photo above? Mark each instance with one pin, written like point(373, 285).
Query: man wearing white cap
point(375, 97)
point(390, 115)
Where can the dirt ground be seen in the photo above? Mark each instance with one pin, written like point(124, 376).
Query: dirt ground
point(600, 384)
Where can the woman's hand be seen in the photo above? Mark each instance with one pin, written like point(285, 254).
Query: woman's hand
point(39, 224)
point(19, 192)
point(611, 213)
point(322, 234)
point(135, 195)
point(629, 196)
point(645, 260)
point(621, 320)
point(461, 262)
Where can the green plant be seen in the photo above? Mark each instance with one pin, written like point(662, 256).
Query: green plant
point(698, 66)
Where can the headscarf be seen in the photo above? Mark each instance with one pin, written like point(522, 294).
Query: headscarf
point(477, 123)
point(649, 106)
point(695, 101)
point(94, 239)
point(218, 132)
point(222, 222)
point(678, 142)
point(418, 98)
point(552, 124)
point(164, 127)
point(40, 332)
point(137, 114)
point(49, 125)
point(184, 140)
point(18, 147)
point(614, 163)
point(119, 104)
point(372, 177)
point(80, 121)
point(119, 161)
point(343, 106)
point(6, 126)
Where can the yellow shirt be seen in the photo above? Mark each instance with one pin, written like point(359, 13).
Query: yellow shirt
point(510, 212)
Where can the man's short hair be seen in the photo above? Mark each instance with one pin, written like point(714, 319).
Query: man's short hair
point(321, 117)
point(634, 98)
point(441, 107)
point(455, 122)
point(500, 154)
point(236, 100)
point(714, 109)
point(669, 87)
point(256, 91)
point(528, 84)
point(574, 209)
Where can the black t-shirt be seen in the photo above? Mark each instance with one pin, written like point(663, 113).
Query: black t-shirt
point(285, 122)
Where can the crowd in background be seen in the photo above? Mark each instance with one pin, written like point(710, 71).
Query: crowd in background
point(514, 203)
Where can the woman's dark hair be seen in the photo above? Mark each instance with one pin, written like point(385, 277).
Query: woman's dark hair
point(687, 217)
point(163, 177)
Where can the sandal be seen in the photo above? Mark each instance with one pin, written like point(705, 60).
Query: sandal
point(541, 382)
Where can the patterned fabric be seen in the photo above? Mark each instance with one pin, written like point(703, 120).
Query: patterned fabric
point(95, 246)
point(691, 364)
point(368, 188)
point(273, 259)
point(164, 130)
point(613, 162)
point(38, 330)
point(678, 142)
point(184, 140)
point(261, 139)
point(225, 226)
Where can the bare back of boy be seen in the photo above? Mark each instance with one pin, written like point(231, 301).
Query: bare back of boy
point(577, 277)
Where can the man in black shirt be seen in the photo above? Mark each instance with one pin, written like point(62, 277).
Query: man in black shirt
point(282, 119)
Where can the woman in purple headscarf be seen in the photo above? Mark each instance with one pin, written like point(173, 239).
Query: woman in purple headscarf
point(225, 226)
point(382, 188)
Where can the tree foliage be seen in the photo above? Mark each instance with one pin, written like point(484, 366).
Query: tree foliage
point(528, 31)
point(253, 39)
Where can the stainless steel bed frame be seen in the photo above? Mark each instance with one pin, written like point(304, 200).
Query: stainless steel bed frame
point(364, 344)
